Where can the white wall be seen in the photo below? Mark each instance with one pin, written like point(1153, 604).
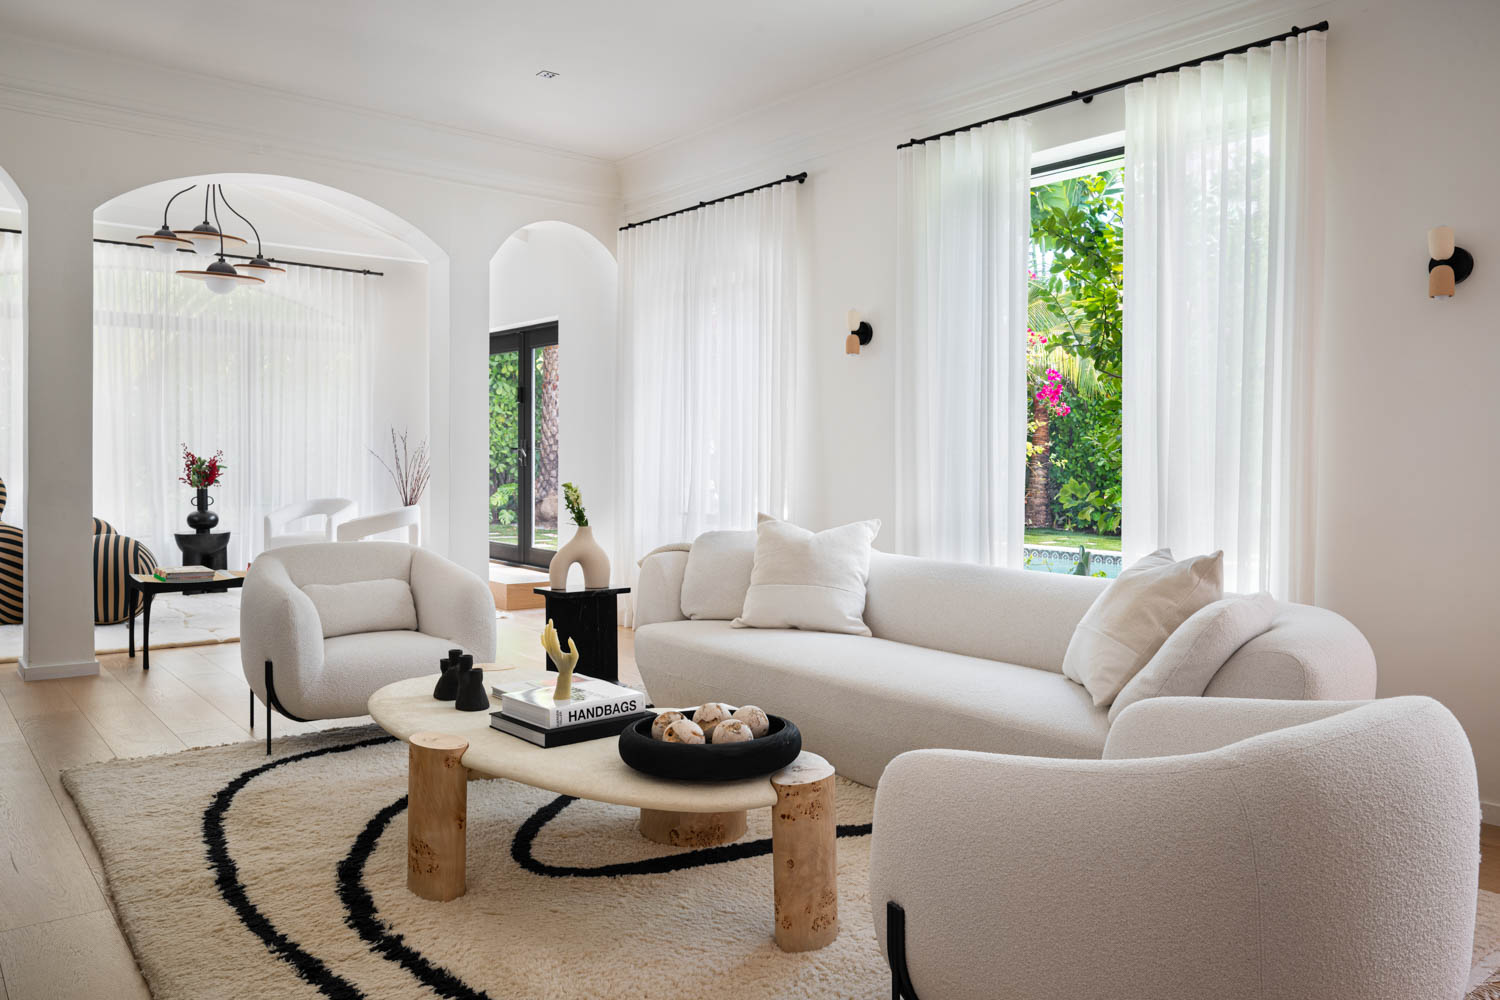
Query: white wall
point(558, 272)
point(70, 145)
point(1408, 414)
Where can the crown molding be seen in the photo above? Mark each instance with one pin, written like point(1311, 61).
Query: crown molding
point(157, 102)
point(818, 125)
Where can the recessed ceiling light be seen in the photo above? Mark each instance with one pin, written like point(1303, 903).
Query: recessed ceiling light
point(547, 74)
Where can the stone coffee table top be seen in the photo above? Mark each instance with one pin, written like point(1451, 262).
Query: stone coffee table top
point(591, 770)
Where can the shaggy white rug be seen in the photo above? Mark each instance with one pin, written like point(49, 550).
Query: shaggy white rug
point(176, 620)
point(235, 874)
point(234, 878)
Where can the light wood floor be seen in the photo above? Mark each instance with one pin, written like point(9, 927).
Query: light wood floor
point(58, 936)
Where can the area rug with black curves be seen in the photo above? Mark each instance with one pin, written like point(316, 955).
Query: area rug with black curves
point(240, 875)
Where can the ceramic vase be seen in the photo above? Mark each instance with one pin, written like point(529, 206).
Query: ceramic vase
point(583, 550)
point(202, 519)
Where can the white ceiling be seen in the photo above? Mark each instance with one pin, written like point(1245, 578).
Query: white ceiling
point(633, 74)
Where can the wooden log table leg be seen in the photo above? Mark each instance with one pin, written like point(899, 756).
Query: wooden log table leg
point(681, 829)
point(437, 805)
point(804, 852)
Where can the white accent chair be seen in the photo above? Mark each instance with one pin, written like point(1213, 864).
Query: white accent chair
point(360, 528)
point(1222, 848)
point(389, 611)
point(334, 511)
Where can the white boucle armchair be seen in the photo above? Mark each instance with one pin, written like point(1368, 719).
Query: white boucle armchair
point(1222, 848)
point(308, 665)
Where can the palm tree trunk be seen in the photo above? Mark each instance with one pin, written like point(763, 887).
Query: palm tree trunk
point(1037, 513)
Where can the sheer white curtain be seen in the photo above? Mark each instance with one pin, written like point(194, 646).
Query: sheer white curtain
point(1223, 272)
point(708, 340)
point(275, 375)
point(12, 381)
point(964, 221)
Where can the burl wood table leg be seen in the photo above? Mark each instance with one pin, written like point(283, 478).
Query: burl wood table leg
point(437, 805)
point(804, 837)
point(682, 829)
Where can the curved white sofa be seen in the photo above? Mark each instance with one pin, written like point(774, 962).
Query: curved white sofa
point(963, 656)
point(332, 678)
point(1222, 848)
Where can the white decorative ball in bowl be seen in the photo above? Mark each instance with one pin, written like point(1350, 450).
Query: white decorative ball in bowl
point(754, 717)
point(732, 731)
point(661, 722)
point(710, 714)
point(683, 731)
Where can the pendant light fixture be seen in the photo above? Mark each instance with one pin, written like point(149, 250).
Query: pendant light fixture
point(164, 239)
point(258, 265)
point(220, 276)
point(206, 234)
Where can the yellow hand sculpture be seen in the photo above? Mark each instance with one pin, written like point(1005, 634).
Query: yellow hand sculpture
point(565, 662)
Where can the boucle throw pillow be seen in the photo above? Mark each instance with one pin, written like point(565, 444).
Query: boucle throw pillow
point(1134, 615)
point(363, 606)
point(808, 580)
point(1191, 656)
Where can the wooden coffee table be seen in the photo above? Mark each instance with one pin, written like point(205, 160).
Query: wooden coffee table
point(448, 748)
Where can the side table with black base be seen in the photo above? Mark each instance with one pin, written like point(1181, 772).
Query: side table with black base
point(148, 586)
point(591, 619)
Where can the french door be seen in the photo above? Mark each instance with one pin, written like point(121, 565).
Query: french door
point(524, 496)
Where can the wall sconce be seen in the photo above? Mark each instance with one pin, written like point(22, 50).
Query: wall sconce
point(860, 333)
point(1449, 264)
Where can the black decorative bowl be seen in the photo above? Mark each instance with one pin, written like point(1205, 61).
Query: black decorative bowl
point(710, 761)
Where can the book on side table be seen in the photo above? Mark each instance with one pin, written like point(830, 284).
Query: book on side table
point(597, 709)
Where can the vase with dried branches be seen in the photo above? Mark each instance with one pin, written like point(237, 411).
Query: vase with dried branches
point(409, 468)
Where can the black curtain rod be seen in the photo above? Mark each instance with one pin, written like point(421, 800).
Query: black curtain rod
point(1088, 95)
point(799, 178)
point(236, 256)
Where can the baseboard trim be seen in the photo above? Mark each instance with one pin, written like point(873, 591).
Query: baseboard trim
point(1489, 812)
point(57, 671)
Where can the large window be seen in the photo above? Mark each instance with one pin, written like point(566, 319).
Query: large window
point(1075, 369)
point(524, 375)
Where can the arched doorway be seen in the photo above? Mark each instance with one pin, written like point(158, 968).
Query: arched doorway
point(552, 388)
point(300, 378)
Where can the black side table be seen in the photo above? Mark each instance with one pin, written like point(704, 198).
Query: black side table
point(591, 619)
point(148, 586)
point(204, 548)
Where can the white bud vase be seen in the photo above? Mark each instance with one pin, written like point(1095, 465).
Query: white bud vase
point(583, 550)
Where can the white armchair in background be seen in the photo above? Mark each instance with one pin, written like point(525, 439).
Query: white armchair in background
point(1222, 848)
point(334, 511)
point(409, 518)
point(324, 626)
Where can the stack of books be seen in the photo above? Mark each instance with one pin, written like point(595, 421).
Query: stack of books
point(598, 709)
point(183, 574)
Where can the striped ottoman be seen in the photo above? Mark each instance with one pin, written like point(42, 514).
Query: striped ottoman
point(116, 556)
point(10, 568)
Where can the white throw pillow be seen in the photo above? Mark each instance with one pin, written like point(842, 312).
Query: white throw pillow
point(717, 575)
point(1134, 615)
point(1191, 656)
point(363, 606)
point(809, 581)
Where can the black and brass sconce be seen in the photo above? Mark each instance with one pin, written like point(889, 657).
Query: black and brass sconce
point(1449, 265)
point(860, 333)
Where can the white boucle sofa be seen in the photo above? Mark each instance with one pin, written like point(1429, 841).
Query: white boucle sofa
point(963, 656)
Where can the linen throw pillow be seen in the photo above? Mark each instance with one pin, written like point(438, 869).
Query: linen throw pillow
point(1191, 656)
point(717, 575)
point(1134, 615)
point(808, 580)
point(363, 606)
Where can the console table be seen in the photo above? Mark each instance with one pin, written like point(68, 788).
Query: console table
point(148, 586)
point(591, 619)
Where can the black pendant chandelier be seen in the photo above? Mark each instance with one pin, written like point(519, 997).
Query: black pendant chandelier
point(206, 238)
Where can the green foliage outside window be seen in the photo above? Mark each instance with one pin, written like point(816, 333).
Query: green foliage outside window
point(504, 431)
point(1075, 359)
